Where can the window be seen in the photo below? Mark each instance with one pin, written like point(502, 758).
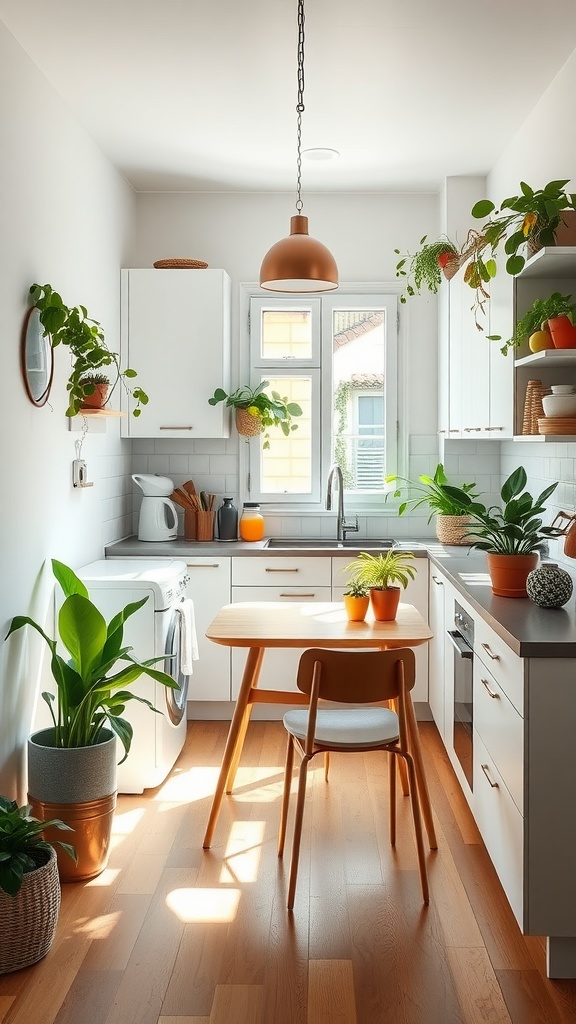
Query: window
point(335, 355)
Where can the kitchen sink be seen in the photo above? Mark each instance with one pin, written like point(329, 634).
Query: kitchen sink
point(324, 543)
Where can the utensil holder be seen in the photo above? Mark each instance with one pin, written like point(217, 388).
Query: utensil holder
point(205, 525)
point(189, 525)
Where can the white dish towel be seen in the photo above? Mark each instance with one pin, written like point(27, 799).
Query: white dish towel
point(188, 638)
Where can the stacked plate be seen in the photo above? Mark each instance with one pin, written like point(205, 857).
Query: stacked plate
point(559, 410)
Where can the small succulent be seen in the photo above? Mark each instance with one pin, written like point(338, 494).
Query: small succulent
point(356, 589)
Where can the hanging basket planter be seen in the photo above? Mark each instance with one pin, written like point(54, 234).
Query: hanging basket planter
point(247, 424)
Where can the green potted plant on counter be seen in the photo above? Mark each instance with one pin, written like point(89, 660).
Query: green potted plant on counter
point(510, 534)
point(383, 575)
point(256, 410)
point(71, 326)
point(72, 764)
point(29, 886)
point(451, 523)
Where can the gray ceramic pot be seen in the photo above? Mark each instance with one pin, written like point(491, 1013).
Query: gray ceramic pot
point(70, 775)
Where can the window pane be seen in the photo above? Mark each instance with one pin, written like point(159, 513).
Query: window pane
point(286, 334)
point(358, 405)
point(286, 466)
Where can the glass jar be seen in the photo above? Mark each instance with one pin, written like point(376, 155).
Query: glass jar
point(251, 521)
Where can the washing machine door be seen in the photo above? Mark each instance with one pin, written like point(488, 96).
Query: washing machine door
point(175, 698)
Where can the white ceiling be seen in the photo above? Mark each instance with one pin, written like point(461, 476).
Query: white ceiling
point(187, 95)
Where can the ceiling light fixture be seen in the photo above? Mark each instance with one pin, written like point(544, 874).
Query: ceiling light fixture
point(299, 263)
point(320, 153)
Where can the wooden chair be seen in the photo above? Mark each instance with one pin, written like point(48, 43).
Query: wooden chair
point(350, 678)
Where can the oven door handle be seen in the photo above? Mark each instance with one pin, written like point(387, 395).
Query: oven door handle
point(461, 646)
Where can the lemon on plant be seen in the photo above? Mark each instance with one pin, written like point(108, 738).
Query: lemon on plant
point(253, 410)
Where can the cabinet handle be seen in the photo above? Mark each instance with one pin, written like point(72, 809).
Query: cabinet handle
point(282, 570)
point(485, 684)
point(495, 657)
point(441, 431)
point(454, 430)
point(470, 430)
point(297, 595)
point(494, 428)
point(176, 428)
point(439, 583)
point(484, 768)
point(202, 565)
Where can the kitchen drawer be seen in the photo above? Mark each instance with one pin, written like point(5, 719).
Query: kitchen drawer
point(506, 667)
point(501, 826)
point(281, 572)
point(501, 729)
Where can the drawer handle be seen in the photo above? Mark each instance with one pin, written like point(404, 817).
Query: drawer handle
point(282, 570)
point(176, 428)
point(485, 684)
point(297, 595)
point(202, 565)
point(495, 657)
point(484, 768)
point(439, 583)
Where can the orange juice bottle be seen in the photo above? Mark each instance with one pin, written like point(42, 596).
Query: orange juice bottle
point(251, 524)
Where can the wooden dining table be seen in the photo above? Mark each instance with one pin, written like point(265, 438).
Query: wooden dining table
point(258, 625)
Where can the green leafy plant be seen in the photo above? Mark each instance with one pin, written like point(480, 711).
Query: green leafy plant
point(515, 528)
point(355, 588)
point(535, 318)
point(22, 846)
point(424, 267)
point(71, 326)
point(378, 572)
point(271, 409)
point(90, 687)
point(430, 491)
point(94, 378)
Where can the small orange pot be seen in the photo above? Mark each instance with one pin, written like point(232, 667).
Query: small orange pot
point(97, 400)
point(509, 573)
point(356, 607)
point(563, 332)
point(385, 603)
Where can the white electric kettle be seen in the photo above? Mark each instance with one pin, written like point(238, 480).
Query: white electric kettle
point(158, 517)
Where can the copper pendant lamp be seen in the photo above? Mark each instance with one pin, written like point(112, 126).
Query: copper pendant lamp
point(299, 263)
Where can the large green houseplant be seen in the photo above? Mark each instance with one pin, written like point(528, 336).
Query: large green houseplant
point(72, 765)
point(71, 326)
point(256, 410)
point(431, 491)
point(513, 530)
point(383, 575)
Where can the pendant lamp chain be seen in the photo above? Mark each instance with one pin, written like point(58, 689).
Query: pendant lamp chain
point(300, 104)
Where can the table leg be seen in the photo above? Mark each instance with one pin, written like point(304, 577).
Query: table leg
point(423, 793)
point(235, 737)
point(243, 724)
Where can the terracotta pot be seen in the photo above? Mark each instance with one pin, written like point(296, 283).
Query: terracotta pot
point(510, 572)
point(98, 399)
point(563, 332)
point(385, 603)
point(356, 607)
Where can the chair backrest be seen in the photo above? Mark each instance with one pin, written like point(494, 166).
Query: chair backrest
point(357, 677)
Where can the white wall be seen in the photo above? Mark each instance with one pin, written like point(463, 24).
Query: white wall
point(67, 219)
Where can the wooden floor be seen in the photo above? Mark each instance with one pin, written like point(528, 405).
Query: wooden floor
point(171, 934)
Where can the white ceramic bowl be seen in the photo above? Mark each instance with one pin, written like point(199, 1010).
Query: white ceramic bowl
point(559, 405)
point(563, 389)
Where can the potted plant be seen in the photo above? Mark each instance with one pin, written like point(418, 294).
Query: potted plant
point(383, 575)
point(255, 410)
point(84, 337)
point(534, 326)
point(96, 387)
point(511, 534)
point(72, 764)
point(29, 887)
point(425, 267)
point(356, 600)
point(451, 524)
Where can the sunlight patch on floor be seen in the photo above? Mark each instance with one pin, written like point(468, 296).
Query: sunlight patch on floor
point(243, 852)
point(106, 877)
point(195, 784)
point(126, 821)
point(247, 790)
point(100, 927)
point(204, 905)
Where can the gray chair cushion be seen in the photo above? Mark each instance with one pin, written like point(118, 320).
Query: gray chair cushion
point(349, 727)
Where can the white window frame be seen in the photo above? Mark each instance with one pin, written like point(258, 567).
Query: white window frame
point(361, 296)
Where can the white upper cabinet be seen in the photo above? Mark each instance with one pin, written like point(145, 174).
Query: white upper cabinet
point(175, 333)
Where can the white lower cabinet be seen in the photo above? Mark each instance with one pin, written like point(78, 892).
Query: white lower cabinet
point(209, 588)
point(436, 653)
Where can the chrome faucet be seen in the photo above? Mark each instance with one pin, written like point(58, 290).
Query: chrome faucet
point(342, 526)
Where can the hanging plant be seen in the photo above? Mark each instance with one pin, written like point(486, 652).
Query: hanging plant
point(262, 410)
point(425, 267)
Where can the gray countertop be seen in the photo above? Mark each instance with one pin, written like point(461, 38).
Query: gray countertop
point(530, 631)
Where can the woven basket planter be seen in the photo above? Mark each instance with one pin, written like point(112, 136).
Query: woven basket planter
point(247, 424)
point(453, 529)
point(28, 920)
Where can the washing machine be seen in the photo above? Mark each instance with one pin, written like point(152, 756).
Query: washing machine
point(163, 627)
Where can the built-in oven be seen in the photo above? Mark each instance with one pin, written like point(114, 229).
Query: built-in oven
point(462, 638)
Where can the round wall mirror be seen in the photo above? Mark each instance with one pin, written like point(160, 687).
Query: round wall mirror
point(37, 358)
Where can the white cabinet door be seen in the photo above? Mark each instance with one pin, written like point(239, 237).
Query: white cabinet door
point(416, 593)
point(175, 332)
point(436, 595)
point(209, 588)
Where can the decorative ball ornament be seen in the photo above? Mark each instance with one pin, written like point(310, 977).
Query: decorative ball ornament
point(549, 586)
